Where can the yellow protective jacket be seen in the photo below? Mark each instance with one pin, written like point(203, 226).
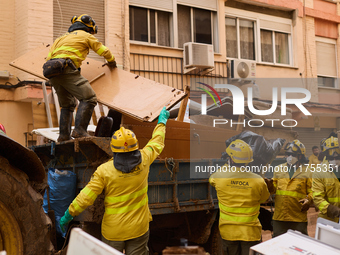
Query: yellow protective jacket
point(314, 160)
point(326, 190)
point(288, 191)
point(240, 195)
point(76, 46)
point(127, 213)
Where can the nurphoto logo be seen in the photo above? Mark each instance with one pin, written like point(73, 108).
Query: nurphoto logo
point(239, 104)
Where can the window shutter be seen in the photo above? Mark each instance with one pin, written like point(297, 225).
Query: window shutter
point(64, 10)
point(326, 59)
point(163, 5)
point(204, 4)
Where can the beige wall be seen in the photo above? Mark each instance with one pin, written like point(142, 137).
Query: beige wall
point(17, 119)
point(7, 35)
point(325, 122)
point(117, 30)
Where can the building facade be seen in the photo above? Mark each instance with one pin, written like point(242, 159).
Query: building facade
point(297, 40)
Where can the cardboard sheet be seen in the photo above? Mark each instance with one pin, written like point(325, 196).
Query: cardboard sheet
point(133, 95)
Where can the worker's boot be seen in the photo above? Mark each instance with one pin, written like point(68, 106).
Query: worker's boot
point(65, 125)
point(83, 117)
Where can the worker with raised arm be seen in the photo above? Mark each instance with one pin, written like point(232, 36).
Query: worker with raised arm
point(292, 186)
point(240, 193)
point(124, 179)
point(62, 68)
point(326, 185)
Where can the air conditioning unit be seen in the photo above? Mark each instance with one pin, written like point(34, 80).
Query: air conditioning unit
point(243, 69)
point(198, 56)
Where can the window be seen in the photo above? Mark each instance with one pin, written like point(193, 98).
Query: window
point(257, 36)
point(326, 62)
point(278, 54)
point(240, 38)
point(151, 26)
point(195, 25)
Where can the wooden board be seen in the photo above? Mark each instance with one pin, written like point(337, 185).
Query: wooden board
point(136, 96)
point(179, 140)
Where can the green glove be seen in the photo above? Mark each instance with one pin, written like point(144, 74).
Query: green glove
point(163, 116)
point(65, 220)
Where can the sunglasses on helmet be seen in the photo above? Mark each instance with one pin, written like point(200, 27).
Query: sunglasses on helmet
point(292, 146)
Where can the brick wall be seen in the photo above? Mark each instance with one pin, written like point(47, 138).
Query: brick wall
point(32, 25)
point(7, 48)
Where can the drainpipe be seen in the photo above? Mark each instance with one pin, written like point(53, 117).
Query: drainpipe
point(125, 39)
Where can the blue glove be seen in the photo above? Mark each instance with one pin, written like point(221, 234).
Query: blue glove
point(65, 220)
point(163, 116)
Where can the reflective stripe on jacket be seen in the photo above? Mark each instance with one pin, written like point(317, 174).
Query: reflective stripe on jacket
point(239, 195)
point(288, 192)
point(326, 190)
point(76, 46)
point(127, 213)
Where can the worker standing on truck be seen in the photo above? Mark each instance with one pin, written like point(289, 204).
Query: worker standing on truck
point(326, 186)
point(124, 178)
point(292, 185)
point(63, 70)
point(240, 193)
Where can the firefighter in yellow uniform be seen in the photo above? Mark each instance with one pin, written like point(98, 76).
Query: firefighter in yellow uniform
point(326, 186)
point(124, 178)
point(71, 49)
point(240, 193)
point(314, 158)
point(292, 185)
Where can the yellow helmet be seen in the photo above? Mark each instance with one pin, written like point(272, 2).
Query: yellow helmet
point(124, 140)
point(295, 147)
point(86, 20)
point(240, 151)
point(331, 146)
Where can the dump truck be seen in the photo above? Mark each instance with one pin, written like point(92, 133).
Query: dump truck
point(182, 203)
point(181, 206)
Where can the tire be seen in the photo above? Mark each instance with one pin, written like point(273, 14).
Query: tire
point(21, 206)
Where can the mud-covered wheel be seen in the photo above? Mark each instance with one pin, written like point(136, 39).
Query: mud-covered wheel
point(24, 227)
point(215, 241)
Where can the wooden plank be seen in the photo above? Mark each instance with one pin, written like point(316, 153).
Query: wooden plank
point(40, 116)
point(183, 105)
point(123, 91)
point(180, 142)
point(101, 110)
point(56, 102)
point(47, 105)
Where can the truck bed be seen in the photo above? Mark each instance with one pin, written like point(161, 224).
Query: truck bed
point(171, 188)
